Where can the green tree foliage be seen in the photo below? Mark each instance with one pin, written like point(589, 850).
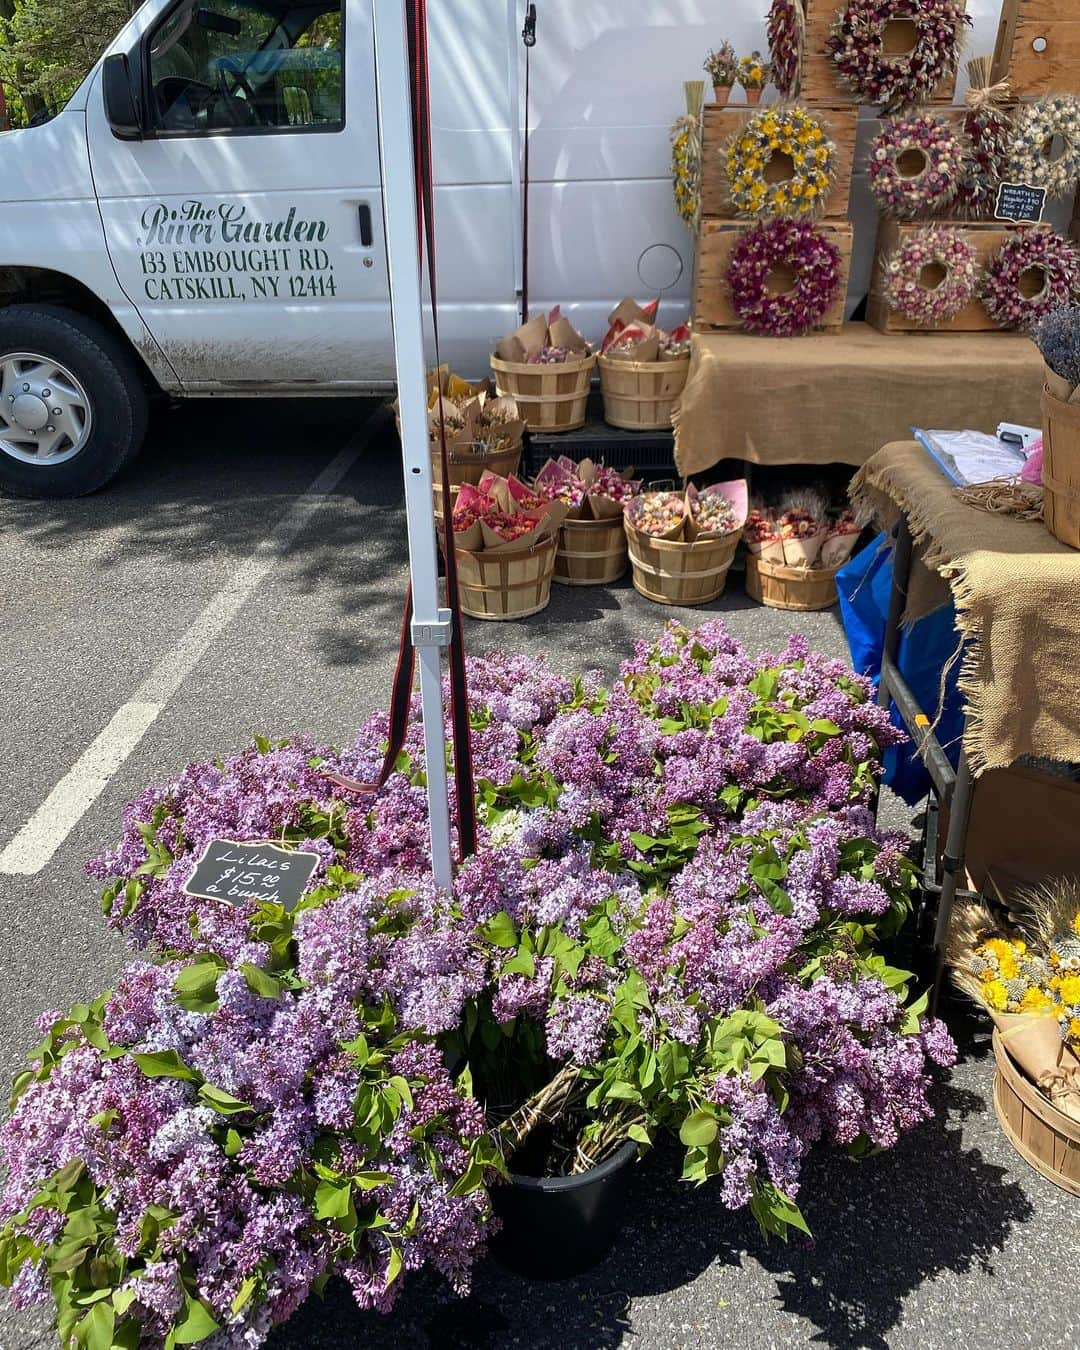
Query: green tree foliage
point(47, 46)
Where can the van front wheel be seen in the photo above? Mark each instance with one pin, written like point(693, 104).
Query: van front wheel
point(73, 407)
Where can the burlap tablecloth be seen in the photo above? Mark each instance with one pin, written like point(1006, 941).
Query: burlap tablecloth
point(838, 397)
point(1017, 595)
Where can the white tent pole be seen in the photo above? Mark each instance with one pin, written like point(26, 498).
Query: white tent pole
point(431, 624)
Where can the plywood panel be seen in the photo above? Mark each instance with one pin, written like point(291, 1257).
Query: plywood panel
point(1052, 24)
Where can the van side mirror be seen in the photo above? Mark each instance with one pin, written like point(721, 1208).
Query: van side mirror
point(123, 110)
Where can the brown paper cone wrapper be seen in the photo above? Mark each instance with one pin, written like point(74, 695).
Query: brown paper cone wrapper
point(524, 340)
point(648, 349)
point(554, 515)
point(470, 539)
point(498, 489)
point(562, 333)
point(838, 548)
point(804, 552)
point(1060, 387)
point(628, 311)
point(603, 508)
point(1034, 1042)
point(772, 550)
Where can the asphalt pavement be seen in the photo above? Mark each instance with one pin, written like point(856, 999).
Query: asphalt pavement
point(246, 576)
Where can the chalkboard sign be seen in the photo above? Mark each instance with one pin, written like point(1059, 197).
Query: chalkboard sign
point(1020, 203)
point(237, 873)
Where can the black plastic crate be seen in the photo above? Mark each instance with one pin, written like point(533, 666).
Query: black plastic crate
point(650, 453)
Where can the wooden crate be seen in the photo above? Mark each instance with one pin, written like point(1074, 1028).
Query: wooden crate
point(1055, 26)
point(840, 121)
point(818, 79)
point(715, 244)
point(986, 239)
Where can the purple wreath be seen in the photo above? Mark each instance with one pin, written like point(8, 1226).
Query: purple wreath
point(814, 261)
point(1036, 251)
point(856, 47)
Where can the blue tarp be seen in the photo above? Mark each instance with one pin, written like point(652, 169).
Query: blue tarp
point(925, 649)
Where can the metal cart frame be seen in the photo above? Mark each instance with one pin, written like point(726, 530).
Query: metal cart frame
point(954, 787)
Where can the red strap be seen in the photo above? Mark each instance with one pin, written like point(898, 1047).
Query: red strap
point(529, 37)
point(461, 727)
point(403, 677)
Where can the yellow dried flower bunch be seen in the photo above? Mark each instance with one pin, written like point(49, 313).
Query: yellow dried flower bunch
point(1038, 972)
point(795, 137)
point(754, 71)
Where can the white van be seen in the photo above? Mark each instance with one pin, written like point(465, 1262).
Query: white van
point(204, 217)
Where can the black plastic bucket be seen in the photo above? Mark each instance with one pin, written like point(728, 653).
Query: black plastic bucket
point(556, 1227)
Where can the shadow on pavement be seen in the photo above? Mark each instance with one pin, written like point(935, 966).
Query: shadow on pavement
point(881, 1228)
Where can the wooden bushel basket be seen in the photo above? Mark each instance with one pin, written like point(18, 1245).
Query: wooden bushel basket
point(672, 572)
point(591, 552)
point(1061, 468)
point(506, 585)
point(549, 397)
point(466, 467)
point(797, 588)
point(1043, 1136)
point(639, 395)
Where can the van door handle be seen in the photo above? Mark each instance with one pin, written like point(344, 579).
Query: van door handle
point(367, 234)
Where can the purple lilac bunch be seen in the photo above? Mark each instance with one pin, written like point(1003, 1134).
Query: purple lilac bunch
point(193, 1154)
point(692, 1008)
point(669, 868)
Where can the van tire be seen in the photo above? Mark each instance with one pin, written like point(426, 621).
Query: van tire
point(111, 379)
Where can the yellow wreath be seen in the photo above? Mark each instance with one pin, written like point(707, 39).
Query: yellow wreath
point(781, 163)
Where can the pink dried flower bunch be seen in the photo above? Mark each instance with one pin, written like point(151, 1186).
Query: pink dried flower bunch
point(552, 356)
point(656, 513)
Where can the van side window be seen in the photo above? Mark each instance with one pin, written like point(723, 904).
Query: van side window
point(248, 65)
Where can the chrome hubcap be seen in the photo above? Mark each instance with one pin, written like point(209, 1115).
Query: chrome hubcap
point(45, 414)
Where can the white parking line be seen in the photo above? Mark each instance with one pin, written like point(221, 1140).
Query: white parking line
point(80, 787)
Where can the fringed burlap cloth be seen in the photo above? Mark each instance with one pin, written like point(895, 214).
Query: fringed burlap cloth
point(838, 397)
point(1017, 594)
